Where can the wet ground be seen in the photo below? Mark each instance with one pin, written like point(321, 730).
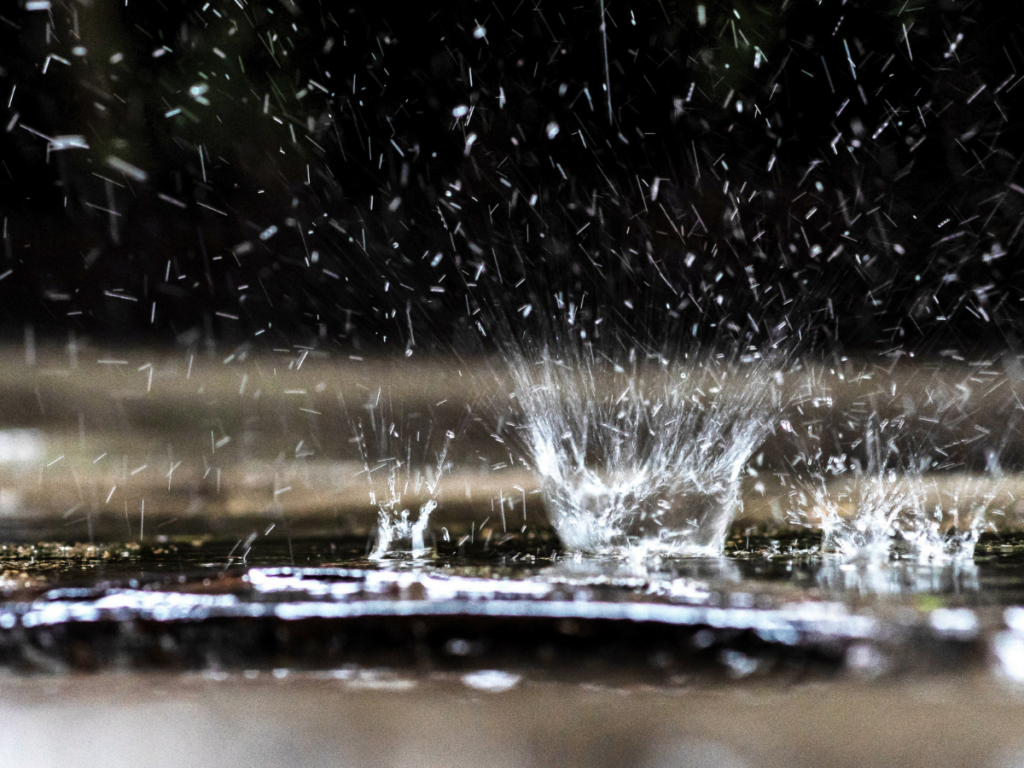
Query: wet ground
point(306, 652)
point(772, 607)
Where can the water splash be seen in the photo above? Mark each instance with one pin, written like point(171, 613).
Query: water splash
point(861, 519)
point(952, 519)
point(398, 532)
point(394, 480)
point(642, 459)
point(874, 512)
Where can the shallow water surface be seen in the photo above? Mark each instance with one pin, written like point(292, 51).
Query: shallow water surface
point(772, 606)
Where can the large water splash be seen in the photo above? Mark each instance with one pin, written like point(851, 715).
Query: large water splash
point(642, 459)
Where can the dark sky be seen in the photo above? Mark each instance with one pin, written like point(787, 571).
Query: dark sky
point(400, 175)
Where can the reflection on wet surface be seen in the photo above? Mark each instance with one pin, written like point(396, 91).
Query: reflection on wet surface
point(771, 606)
point(785, 563)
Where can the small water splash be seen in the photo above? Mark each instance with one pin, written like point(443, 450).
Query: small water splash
point(952, 519)
point(888, 507)
point(401, 531)
point(908, 517)
point(398, 533)
point(642, 459)
point(863, 517)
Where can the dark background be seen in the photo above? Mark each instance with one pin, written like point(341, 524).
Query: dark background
point(842, 175)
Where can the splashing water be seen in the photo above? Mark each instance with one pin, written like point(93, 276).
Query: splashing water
point(931, 531)
point(945, 523)
point(400, 532)
point(644, 461)
point(862, 519)
point(879, 512)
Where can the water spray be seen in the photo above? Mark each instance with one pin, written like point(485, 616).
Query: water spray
point(401, 533)
point(642, 458)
